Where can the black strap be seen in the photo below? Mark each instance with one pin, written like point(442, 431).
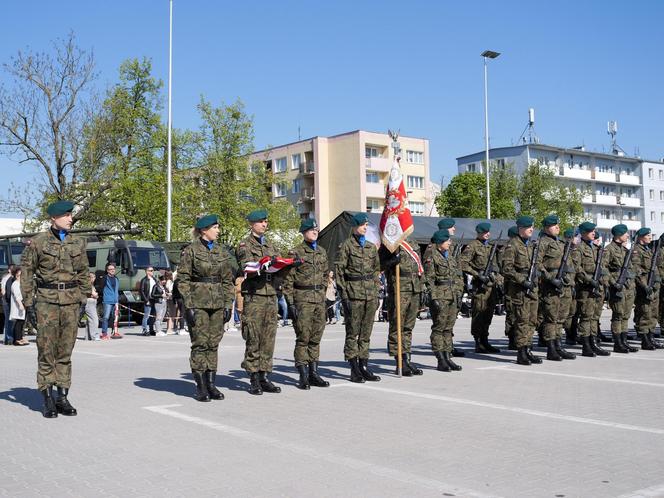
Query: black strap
point(58, 285)
point(357, 278)
point(440, 281)
point(207, 280)
point(308, 287)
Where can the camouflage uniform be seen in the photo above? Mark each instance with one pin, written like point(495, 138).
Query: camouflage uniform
point(647, 300)
point(554, 313)
point(568, 299)
point(621, 302)
point(509, 310)
point(589, 299)
point(55, 281)
point(259, 313)
point(205, 280)
point(304, 287)
point(357, 269)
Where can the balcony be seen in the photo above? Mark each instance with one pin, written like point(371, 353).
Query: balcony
point(629, 201)
point(576, 174)
point(604, 176)
point(605, 200)
point(632, 224)
point(378, 164)
point(307, 168)
point(605, 223)
point(629, 180)
point(375, 190)
point(307, 194)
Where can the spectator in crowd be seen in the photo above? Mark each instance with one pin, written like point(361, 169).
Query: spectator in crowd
point(146, 285)
point(17, 310)
point(382, 292)
point(91, 311)
point(283, 306)
point(171, 312)
point(237, 305)
point(331, 298)
point(108, 289)
point(5, 290)
point(158, 298)
point(178, 304)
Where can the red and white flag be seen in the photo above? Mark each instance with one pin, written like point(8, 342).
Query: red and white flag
point(265, 265)
point(396, 223)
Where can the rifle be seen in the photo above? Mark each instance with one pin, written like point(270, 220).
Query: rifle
point(457, 248)
point(488, 269)
point(597, 274)
point(532, 271)
point(653, 272)
point(562, 270)
point(622, 276)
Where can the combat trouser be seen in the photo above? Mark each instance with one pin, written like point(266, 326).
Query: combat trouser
point(410, 307)
point(205, 337)
point(309, 328)
point(525, 317)
point(57, 328)
point(484, 305)
point(567, 308)
point(359, 320)
point(621, 309)
point(509, 316)
point(259, 330)
point(444, 315)
point(589, 308)
point(645, 311)
point(554, 312)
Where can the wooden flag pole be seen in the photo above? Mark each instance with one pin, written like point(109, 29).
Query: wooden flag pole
point(397, 298)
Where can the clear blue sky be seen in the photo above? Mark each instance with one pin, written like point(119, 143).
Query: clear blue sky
point(332, 67)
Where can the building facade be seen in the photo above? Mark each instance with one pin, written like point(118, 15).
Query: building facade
point(323, 176)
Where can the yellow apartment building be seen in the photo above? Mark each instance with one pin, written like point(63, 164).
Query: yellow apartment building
point(323, 176)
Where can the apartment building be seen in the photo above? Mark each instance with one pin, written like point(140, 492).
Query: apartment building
point(323, 176)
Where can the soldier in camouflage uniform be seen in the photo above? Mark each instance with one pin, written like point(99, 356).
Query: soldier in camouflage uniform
point(259, 313)
point(568, 299)
point(474, 260)
point(445, 280)
point(357, 268)
point(205, 280)
point(509, 310)
point(517, 260)
point(410, 278)
point(54, 283)
point(304, 289)
point(647, 297)
point(621, 294)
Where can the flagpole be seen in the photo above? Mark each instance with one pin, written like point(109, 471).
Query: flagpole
point(398, 310)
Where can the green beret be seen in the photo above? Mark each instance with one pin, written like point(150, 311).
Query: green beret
point(619, 230)
point(257, 215)
point(550, 220)
point(58, 208)
point(513, 231)
point(586, 227)
point(643, 231)
point(569, 233)
point(483, 227)
point(525, 221)
point(360, 219)
point(207, 221)
point(308, 224)
point(446, 223)
point(440, 236)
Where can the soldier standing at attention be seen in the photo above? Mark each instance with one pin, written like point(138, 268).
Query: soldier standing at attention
point(205, 280)
point(568, 299)
point(410, 277)
point(509, 311)
point(54, 284)
point(589, 292)
point(304, 288)
point(445, 280)
point(259, 312)
point(474, 260)
point(647, 298)
point(357, 268)
point(621, 294)
point(517, 261)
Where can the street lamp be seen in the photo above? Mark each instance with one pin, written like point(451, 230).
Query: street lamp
point(169, 180)
point(487, 54)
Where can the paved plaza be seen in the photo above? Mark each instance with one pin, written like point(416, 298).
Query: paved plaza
point(586, 428)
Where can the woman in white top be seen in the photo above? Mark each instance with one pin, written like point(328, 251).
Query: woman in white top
point(17, 310)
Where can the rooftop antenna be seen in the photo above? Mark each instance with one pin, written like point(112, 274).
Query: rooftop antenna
point(299, 134)
point(612, 130)
point(529, 136)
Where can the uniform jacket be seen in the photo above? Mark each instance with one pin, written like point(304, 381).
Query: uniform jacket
point(614, 256)
point(251, 250)
point(641, 259)
point(311, 273)
point(473, 261)
point(443, 276)
point(516, 262)
point(48, 260)
point(586, 268)
point(409, 278)
point(199, 262)
point(357, 269)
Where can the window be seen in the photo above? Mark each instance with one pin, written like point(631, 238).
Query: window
point(661, 195)
point(652, 195)
point(280, 165)
point(661, 216)
point(295, 161)
point(661, 174)
point(650, 173)
point(630, 215)
point(471, 168)
point(373, 178)
point(375, 205)
point(415, 181)
point(280, 190)
point(297, 185)
point(92, 258)
point(414, 157)
point(500, 163)
point(652, 215)
point(371, 152)
point(416, 207)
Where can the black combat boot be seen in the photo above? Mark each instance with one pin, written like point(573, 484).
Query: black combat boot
point(587, 350)
point(49, 410)
point(315, 379)
point(366, 373)
point(210, 377)
point(457, 353)
point(564, 354)
point(618, 346)
point(597, 349)
point(487, 345)
point(646, 345)
point(201, 387)
point(479, 346)
point(355, 373)
point(405, 370)
point(522, 356)
point(413, 368)
point(62, 404)
point(303, 383)
point(533, 359)
point(540, 337)
point(443, 366)
point(552, 352)
point(623, 339)
point(511, 343)
point(600, 336)
point(448, 359)
point(266, 384)
point(654, 342)
point(254, 384)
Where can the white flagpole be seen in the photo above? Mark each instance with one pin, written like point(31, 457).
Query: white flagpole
point(169, 199)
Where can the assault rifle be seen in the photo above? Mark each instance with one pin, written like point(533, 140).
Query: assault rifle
point(597, 274)
point(457, 248)
point(488, 269)
point(560, 274)
point(532, 271)
point(653, 272)
point(623, 275)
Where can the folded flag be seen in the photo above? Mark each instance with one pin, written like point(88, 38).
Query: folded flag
point(267, 264)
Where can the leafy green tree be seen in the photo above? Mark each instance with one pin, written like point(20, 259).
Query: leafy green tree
point(504, 184)
point(464, 197)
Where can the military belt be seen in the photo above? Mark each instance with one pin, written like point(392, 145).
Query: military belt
point(308, 287)
point(440, 281)
point(59, 285)
point(207, 280)
point(357, 278)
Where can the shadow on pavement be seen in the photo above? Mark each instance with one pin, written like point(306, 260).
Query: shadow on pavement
point(185, 386)
point(28, 397)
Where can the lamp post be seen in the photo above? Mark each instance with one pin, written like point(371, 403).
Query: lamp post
point(487, 54)
point(169, 187)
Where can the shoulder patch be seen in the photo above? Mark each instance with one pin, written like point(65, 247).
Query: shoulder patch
point(242, 244)
point(28, 242)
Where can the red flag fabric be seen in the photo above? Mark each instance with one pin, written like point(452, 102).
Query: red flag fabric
point(396, 223)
